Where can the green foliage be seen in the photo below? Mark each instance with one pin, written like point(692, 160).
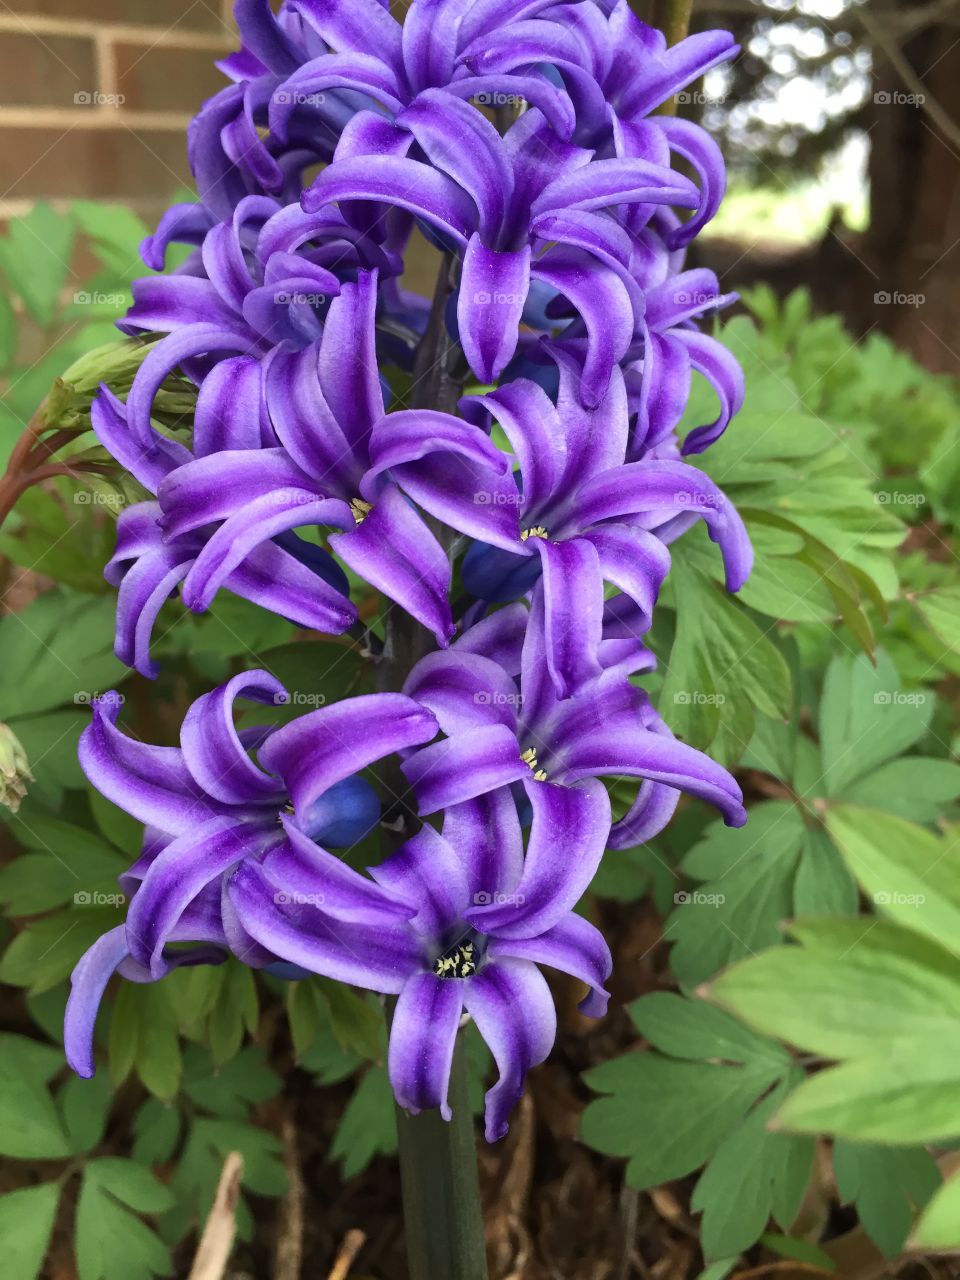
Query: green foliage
point(703, 1095)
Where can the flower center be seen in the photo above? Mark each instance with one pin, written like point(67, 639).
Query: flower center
point(458, 961)
point(360, 509)
point(535, 531)
point(529, 758)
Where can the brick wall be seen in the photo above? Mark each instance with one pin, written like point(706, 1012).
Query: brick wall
point(95, 96)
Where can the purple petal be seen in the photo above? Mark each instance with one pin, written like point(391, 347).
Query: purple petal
point(641, 753)
point(511, 1004)
point(553, 103)
point(599, 296)
point(262, 519)
point(276, 580)
point(423, 1037)
point(649, 814)
point(179, 874)
point(567, 839)
point(606, 182)
point(633, 560)
point(325, 746)
point(147, 461)
point(427, 874)
point(145, 588)
point(699, 149)
point(305, 423)
point(573, 600)
point(666, 71)
point(485, 832)
point(167, 304)
point(181, 224)
point(662, 490)
point(222, 484)
point(212, 749)
point(228, 408)
point(463, 690)
point(500, 637)
point(304, 872)
point(493, 291)
point(530, 422)
point(462, 143)
point(664, 389)
point(264, 36)
point(377, 957)
point(449, 468)
point(573, 946)
point(356, 25)
point(408, 184)
point(394, 551)
point(723, 372)
point(472, 763)
point(150, 783)
point(361, 72)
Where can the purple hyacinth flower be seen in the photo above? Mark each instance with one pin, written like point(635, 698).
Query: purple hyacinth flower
point(481, 917)
point(503, 728)
point(231, 153)
point(283, 574)
point(519, 208)
point(325, 404)
point(262, 279)
point(390, 63)
point(615, 69)
point(669, 348)
point(209, 807)
point(579, 517)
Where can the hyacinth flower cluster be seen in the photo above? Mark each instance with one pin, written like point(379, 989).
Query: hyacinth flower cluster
point(527, 532)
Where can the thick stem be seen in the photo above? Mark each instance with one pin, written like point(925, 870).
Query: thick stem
point(441, 1195)
point(438, 1159)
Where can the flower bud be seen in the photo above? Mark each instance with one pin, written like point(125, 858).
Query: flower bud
point(14, 769)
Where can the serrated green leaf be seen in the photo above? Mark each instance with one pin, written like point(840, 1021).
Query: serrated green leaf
point(35, 257)
point(85, 1107)
point(111, 1243)
point(368, 1126)
point(917, 788)
point(887, 1185)
point(823, 885)
point(908, 872)
point(693, 1029)
point(231, 1089)
point(30, 1128)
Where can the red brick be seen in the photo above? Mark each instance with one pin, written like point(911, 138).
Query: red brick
point(160, 78)
point(107, 164)
point(44, 71)
point(183, 15)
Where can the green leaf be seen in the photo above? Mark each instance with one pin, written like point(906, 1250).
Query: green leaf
point(35, 257)
point(887, 1186)
point(823, 885)
point(157, 1131)
point(368, 1126)
point(866, 719)
point(909, 872)
point(85, 1107)
point(357, 1022)
point(917, 788)
point(59, 649)
point(669, 1115)
point(721, 668)
point(8, 332)
point(941, 611)
point(30, 1128)
point(235, 1011)
point(750, 1170)
point(855, 987)
point(143, 1035)
point(26, 1222)
point(75, 866)
point(45, 952)
point(939, 1227)
point(738, 912)
point(231, 1089)
point(111, 1243)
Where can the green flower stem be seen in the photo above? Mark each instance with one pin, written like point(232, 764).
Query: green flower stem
point(443, 1221)
point(441, 1194)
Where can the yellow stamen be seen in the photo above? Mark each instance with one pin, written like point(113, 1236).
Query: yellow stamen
point(535, 531)
point(529, 758)
point(360, 509)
